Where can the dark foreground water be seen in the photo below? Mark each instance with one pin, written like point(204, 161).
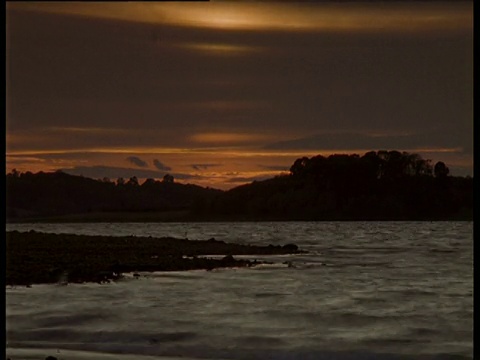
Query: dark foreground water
point(366, 290)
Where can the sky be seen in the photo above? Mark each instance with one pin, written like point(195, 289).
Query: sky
point(223, 93)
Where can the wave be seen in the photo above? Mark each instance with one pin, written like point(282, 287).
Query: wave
point(348, 298)
point(66, 335)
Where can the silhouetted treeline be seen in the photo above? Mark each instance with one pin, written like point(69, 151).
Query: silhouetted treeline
point(383, 185)
point(51, 194)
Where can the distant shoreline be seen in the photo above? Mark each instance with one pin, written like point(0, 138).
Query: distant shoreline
point(378, 186)
point(185, 216)
point(45, 258)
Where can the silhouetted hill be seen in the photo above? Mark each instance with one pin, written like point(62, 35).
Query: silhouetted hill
point(52, 194)
point(383, 185)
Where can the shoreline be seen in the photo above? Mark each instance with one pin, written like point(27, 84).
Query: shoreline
point(45, 258)
point(186, 217)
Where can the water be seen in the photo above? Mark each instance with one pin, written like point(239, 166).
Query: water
point(365, 290)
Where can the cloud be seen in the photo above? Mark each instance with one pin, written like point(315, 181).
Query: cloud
point(275, 167)
point(100, 171)
point(298, 84)
point(161, 166)
point(341, 141)
point(245, 179)
point(264, 16)
point(203, 166)
point(137, 161)
point(228, 138)
point(219, 49)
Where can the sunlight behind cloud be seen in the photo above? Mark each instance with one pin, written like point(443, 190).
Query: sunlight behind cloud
point(312, 17)
point(219, 49)
point(228, 138)
point(70, 129)
point(274, 17)
point(239, 165)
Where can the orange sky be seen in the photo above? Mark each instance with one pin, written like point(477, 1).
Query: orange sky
point(220, 94)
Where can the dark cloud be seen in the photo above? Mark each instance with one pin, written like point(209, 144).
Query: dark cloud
point(143, 79)
point(137, 161)
point(351, 140)
point(245, 179)
point(100, 171)
point(203, 166)
point(309, 81)
point(160, 166)
point(275, 167)
point(77, 155)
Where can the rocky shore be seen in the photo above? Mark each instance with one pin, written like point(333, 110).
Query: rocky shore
point(35, 258)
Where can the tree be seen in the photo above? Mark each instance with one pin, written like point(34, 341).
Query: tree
point(133, 181)
point(298, 167)
point(149, 182)
point(15, 173)
point(417, 166)
point(441, 170)
point(168, 178)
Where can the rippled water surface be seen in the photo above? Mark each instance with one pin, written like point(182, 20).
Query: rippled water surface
point(365, 290)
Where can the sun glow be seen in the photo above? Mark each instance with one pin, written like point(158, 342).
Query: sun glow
point(219, 49)
point(272, 17)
